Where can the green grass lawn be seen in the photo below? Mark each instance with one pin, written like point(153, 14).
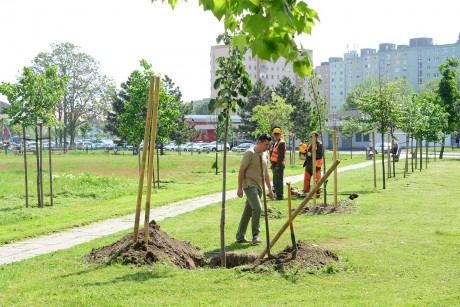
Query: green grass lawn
point(400, 246)
point(96, 186)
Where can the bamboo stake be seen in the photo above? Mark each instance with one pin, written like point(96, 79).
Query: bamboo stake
point(51, 168)
point(406, 164)
point(299, 208)
point(291, 225)
point(265, 204)
point(373, 159)
point(334, 158)
point(153, 132)
point(24, 149)
point(388, 156)
point(142, 167)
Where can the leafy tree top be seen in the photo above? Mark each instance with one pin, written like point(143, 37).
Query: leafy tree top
point(269, 28)
point(34, 97)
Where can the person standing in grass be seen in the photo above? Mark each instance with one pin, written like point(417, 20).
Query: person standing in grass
point(278, 161)
point(250, 181)
point(308, 164)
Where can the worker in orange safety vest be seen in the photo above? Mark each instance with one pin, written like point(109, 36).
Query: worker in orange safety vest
point(308, 164)
point(278, 161)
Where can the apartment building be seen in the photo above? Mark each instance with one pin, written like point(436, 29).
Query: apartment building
point(270, 73)
point(416, 62)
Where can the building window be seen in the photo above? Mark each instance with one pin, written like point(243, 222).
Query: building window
point(419, 81)
point(366, 138)
point(358, 137)
point(419, 73)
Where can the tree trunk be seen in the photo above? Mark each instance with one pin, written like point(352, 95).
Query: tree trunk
point(406, 163)
point(223, 259)
point(421, 151)
point(50, 166)
point(441, 152)
point(426, 155)
point(24, 151)
point(38, 168)
point(158, 170)
point(383, 160)
point(40, 127)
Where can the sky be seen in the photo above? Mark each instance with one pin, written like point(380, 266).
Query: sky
point(118, 33)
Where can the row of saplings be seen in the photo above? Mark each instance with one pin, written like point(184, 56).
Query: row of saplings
point(152, 245)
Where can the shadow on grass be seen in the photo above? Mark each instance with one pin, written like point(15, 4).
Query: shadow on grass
point(229, 248)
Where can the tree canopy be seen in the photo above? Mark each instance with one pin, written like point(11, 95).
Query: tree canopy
point(34, 97)
point(268, 28)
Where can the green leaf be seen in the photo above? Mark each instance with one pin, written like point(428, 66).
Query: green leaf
point(255, 24)
point(219, 8)
point(240, 41)
point(260, 49)
point(217, 83)
point(302, 67)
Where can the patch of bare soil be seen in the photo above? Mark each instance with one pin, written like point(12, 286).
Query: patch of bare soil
point(307, 257)
point(181, 254)
point(343, 206)
point(160, 248)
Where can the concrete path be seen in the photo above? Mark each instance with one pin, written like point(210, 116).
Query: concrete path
point(46, 244)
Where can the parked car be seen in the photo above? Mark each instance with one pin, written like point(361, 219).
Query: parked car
point(243, 147)
point(193, 146)
point(213, 146)
point(182, 147)
point(170, 146)
point(199, 147)
point(378, 147)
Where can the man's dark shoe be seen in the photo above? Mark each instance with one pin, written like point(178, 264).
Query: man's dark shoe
point(279, 198)
point(256, 240)
point(244, 240)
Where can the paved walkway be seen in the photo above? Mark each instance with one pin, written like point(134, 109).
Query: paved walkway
point(46, 244)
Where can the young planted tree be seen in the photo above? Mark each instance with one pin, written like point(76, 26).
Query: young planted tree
point(268, 28)
point(33, 100)
point(348, 127)
point(449, 97)
point(233, 84)
point(133, 119)
point(381, 108)
point(275, 112)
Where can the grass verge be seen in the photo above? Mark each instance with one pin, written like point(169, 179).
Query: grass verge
point(399, 246)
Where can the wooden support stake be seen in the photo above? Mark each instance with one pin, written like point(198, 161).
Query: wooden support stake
point(373, 159)
point(140, 186)
point(299, 208)
point(265, 204)
point(153, 132)
point(334, 158)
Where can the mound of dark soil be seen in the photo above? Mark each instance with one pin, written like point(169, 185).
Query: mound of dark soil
point(181, 254)
point(160, 248)
point(343, 206)
point(307, 257)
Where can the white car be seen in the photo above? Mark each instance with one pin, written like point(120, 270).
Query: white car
point(378, 147)
point(200, 146)
point(170, 147)
point(213, 146)
point(243, 147)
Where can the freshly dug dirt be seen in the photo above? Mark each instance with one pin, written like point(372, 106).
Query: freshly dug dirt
point(343, 206)
point(181, 254)
point(307, 257)
point(160, 248)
